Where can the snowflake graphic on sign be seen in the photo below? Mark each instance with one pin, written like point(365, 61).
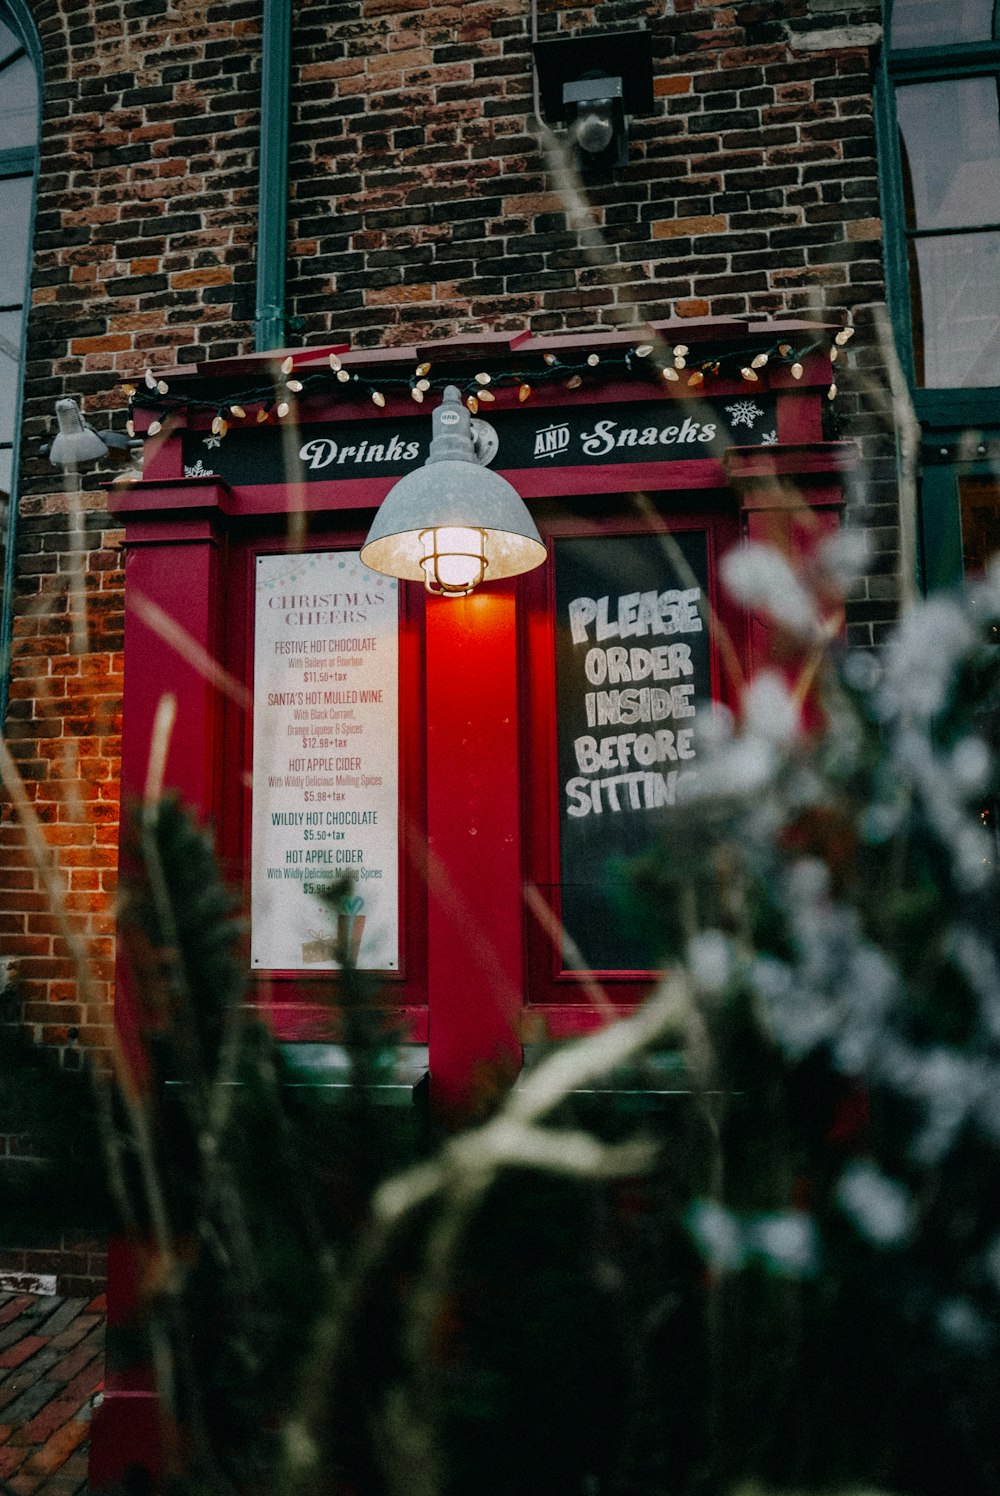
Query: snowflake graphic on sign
point(744, 413)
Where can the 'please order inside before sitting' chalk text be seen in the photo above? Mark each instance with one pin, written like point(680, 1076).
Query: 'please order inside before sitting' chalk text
point(634, 686)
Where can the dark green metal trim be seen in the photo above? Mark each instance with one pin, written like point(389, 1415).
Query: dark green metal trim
point(946, 62)
point(941, 527)
point(17, 163)
point(953, 232)
point(890, 177)
point(272, 212)
point(19, 17)
point(948, 412)
point(958, 409)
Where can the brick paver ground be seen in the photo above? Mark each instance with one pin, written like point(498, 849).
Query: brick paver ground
point(51, 1375)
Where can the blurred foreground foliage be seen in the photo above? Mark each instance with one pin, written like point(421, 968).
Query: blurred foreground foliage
point(799, 1287)
point(59, 1178)
point(242, 1185)
point(747, 1240)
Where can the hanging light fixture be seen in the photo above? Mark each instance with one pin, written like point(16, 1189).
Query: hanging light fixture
point(452, 523)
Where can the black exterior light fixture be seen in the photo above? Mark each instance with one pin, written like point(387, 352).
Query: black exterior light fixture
point(598, 123)
point(591, 85)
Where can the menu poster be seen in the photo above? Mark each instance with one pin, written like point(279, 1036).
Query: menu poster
point(325, 762)
point(633, 675)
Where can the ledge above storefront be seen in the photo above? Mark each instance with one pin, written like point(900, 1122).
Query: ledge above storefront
point(664, 406)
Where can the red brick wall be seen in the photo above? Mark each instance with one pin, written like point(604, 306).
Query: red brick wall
point(63, 729)
point(143, 256)
point(421, 202)
point(420, 205)
point(79, 1266)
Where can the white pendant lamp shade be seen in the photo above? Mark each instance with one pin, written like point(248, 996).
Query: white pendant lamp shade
point(452, 523)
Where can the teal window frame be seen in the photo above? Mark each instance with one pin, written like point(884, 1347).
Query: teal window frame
point(946, 415)
point(272, 209)
point(22, 161)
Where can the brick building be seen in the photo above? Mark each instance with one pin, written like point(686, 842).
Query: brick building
point(206, 184)
point(212, 182)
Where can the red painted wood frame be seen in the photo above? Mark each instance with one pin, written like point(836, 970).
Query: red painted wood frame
point(462, 683)
point(561, 1002)
point(190, 543)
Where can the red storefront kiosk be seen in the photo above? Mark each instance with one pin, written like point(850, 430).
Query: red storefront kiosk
point(481, 764)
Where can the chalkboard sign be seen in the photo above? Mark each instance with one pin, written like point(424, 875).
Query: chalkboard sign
point(632, 678)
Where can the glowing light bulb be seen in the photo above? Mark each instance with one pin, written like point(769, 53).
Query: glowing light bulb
point(453, 560)
point(595, 129)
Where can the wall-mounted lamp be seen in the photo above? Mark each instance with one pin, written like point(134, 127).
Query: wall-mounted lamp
point(77, 442)
point(452, 523)
point(598, 124)
point(592, 84)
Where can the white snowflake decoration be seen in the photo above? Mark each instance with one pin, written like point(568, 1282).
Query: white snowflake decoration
point(212, 441)
point(744, 413)
point(769, 438)
point(199, 470)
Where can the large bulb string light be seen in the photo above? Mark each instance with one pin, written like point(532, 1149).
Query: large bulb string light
point(663, 364)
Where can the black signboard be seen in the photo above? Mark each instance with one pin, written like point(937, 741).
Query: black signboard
point(577, 436)
point(632, 677)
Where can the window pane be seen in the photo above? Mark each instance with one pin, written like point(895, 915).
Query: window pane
point(10, 353)
point(980, 500)
point(15, 221)
point(18, 105)
point(950, 149)
point(939, 23)
point(6, 469)
point(8, 42)
point(955, 295)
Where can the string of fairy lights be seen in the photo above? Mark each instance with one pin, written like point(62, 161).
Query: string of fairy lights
point(666, 365)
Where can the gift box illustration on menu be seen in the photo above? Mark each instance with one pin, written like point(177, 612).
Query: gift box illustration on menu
point(350, 929)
